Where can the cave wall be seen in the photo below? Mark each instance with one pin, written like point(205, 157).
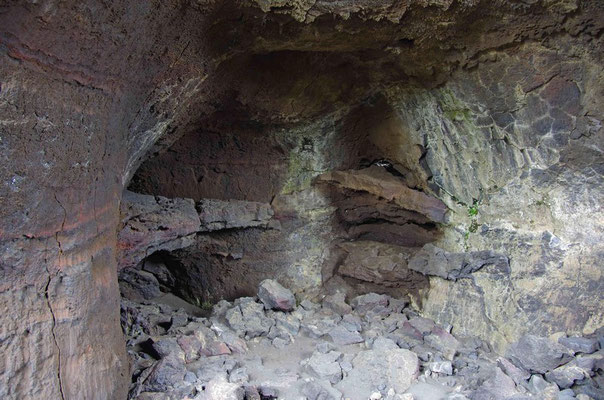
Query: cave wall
point(513, 145)
point(89, 90)
point(510, 144)
point(74, 117)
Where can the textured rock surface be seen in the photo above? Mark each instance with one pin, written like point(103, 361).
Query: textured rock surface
point(497, 102)
point(151, 224)
point(274, 296)
point(217, 214)
point(431, 260)
point(537, 354)
point(379, 263)
point(380, 183)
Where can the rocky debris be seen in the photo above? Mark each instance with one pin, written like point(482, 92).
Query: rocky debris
point(227, 214)
point(396, 369)
point(377, 181)
point(276, 297)
point(325, 366)
point(374, 348)
point(580, 344)
point(537, 354)
point(138, 285)
point(153, 223)
point(379, 263)
point(432, 260)
point(337, 303)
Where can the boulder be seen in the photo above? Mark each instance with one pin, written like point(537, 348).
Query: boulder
point(498, 387)
point(444, 342)
point(379, 263)
point(395, 368)
point(167, 374)
point(342, 336)
point(366, 302)
point(325, 366)
point(580, 344)
point(537, 354)
point(274, 296)
point(566, 375)
point(337, 303)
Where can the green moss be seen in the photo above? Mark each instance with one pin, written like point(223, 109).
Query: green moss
point(454, 109)
point(299, 173)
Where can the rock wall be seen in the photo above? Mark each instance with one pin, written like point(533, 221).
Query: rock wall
point(90, 90)
point(77, 80)
point(510, 143)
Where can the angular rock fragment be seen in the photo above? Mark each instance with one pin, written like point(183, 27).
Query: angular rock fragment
point(166, 374)
point(394, 368)
point(444, 342)
point(248, 319)
point(337, 303)
point(432, 260)
point(342, 336)
point(274, 296)
point(325, 366)
point(153, 223)
point(537, 354)
point(498, 387)
point(441, 367)
point(366, 302)
point(220, 388)
point(566, 375)
point(580, 344)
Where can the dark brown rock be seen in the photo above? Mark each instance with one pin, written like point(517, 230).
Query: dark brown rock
point(377, 181)
point(151, 224)
point(379, 263)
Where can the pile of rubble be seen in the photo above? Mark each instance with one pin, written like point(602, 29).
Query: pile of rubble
point(375, 347)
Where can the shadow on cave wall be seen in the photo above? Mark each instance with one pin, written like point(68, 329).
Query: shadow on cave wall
point(319, 223)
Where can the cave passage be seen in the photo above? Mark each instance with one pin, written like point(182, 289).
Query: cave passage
point(278, 199)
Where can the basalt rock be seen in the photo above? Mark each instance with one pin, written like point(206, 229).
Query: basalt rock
point(431, 260)
point(489, 106)
point(151, 224)
point(378, 182)
point(379, 263)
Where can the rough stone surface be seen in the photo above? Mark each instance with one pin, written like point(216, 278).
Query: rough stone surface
point(395, 368)
point(379, 263)
point(151, 224)
point(537, 354)
point(431, 260)
point(89, 90)
point(580, 344)
point(379, 182)
point(274, 296)
point(219, 214)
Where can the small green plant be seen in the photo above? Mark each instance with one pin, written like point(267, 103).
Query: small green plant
point(473, 209)
point(206, 305)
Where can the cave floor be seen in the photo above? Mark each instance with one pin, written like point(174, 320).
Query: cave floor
point(376, 347)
